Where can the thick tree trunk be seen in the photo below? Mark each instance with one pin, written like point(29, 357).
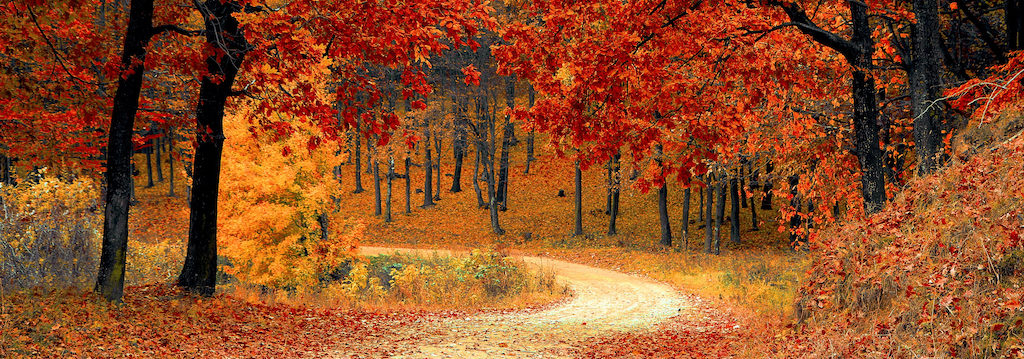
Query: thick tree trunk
point(199, 273)
point(613, 197)
point(578, 201)
point(428, 166)
point(110, 277)
point(458, 153)
point(734, 213)
point(926, 86)
point(719, 213)
point(358, 156)
point(666, 228)
point(685, 235)
point(869, 153)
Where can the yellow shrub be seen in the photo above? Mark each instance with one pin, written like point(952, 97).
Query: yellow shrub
point(49, 233)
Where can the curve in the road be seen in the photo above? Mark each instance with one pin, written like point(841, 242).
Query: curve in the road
point(605, 302)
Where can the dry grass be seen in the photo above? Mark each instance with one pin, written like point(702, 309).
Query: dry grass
point(466, 282)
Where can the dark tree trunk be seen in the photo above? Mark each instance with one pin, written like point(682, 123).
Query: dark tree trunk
point(608, 181)
point(754, 184)
point(408, 185)
point(926, 86)
point(1014, 14)
point(719, 213)
point(485, 133)
point(506, 144)
point(458, 153)
point(149, 167)
point(376, 187)
point(613, 197)
point(766, 201)
point(507, 138)
point(685, 235)
point(795, 220)
point(357, 157)
point(159, 162)
point(4, 170)
point(743, 184)
point(199, 273)
point(428, 166)
point(734, 213)
point(110, 277)
point(578, 201)
point(666, 228)
point(709, 222)
point(325, 225)
point(492, 191)
point(387, 201)
point(476, 181)
point(437, 168)
point(866, 131)
point(529, 138)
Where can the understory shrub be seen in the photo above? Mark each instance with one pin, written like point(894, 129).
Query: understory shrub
point(49, 233)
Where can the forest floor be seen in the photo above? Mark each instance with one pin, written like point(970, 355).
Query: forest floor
point(610, 314)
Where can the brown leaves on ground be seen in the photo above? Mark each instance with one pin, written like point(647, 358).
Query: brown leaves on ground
point(702, 332)
point(162, 321)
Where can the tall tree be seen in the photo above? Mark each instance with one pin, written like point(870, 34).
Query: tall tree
point(357, 157)
point(223, 31)
point(507, 138)
point(428, 165)
point(857, 51)
point(926, 72)
point(613, 212)
point(666, 229)
point(110, 280)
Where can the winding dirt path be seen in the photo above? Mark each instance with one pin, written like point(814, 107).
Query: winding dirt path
point(604, 303)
